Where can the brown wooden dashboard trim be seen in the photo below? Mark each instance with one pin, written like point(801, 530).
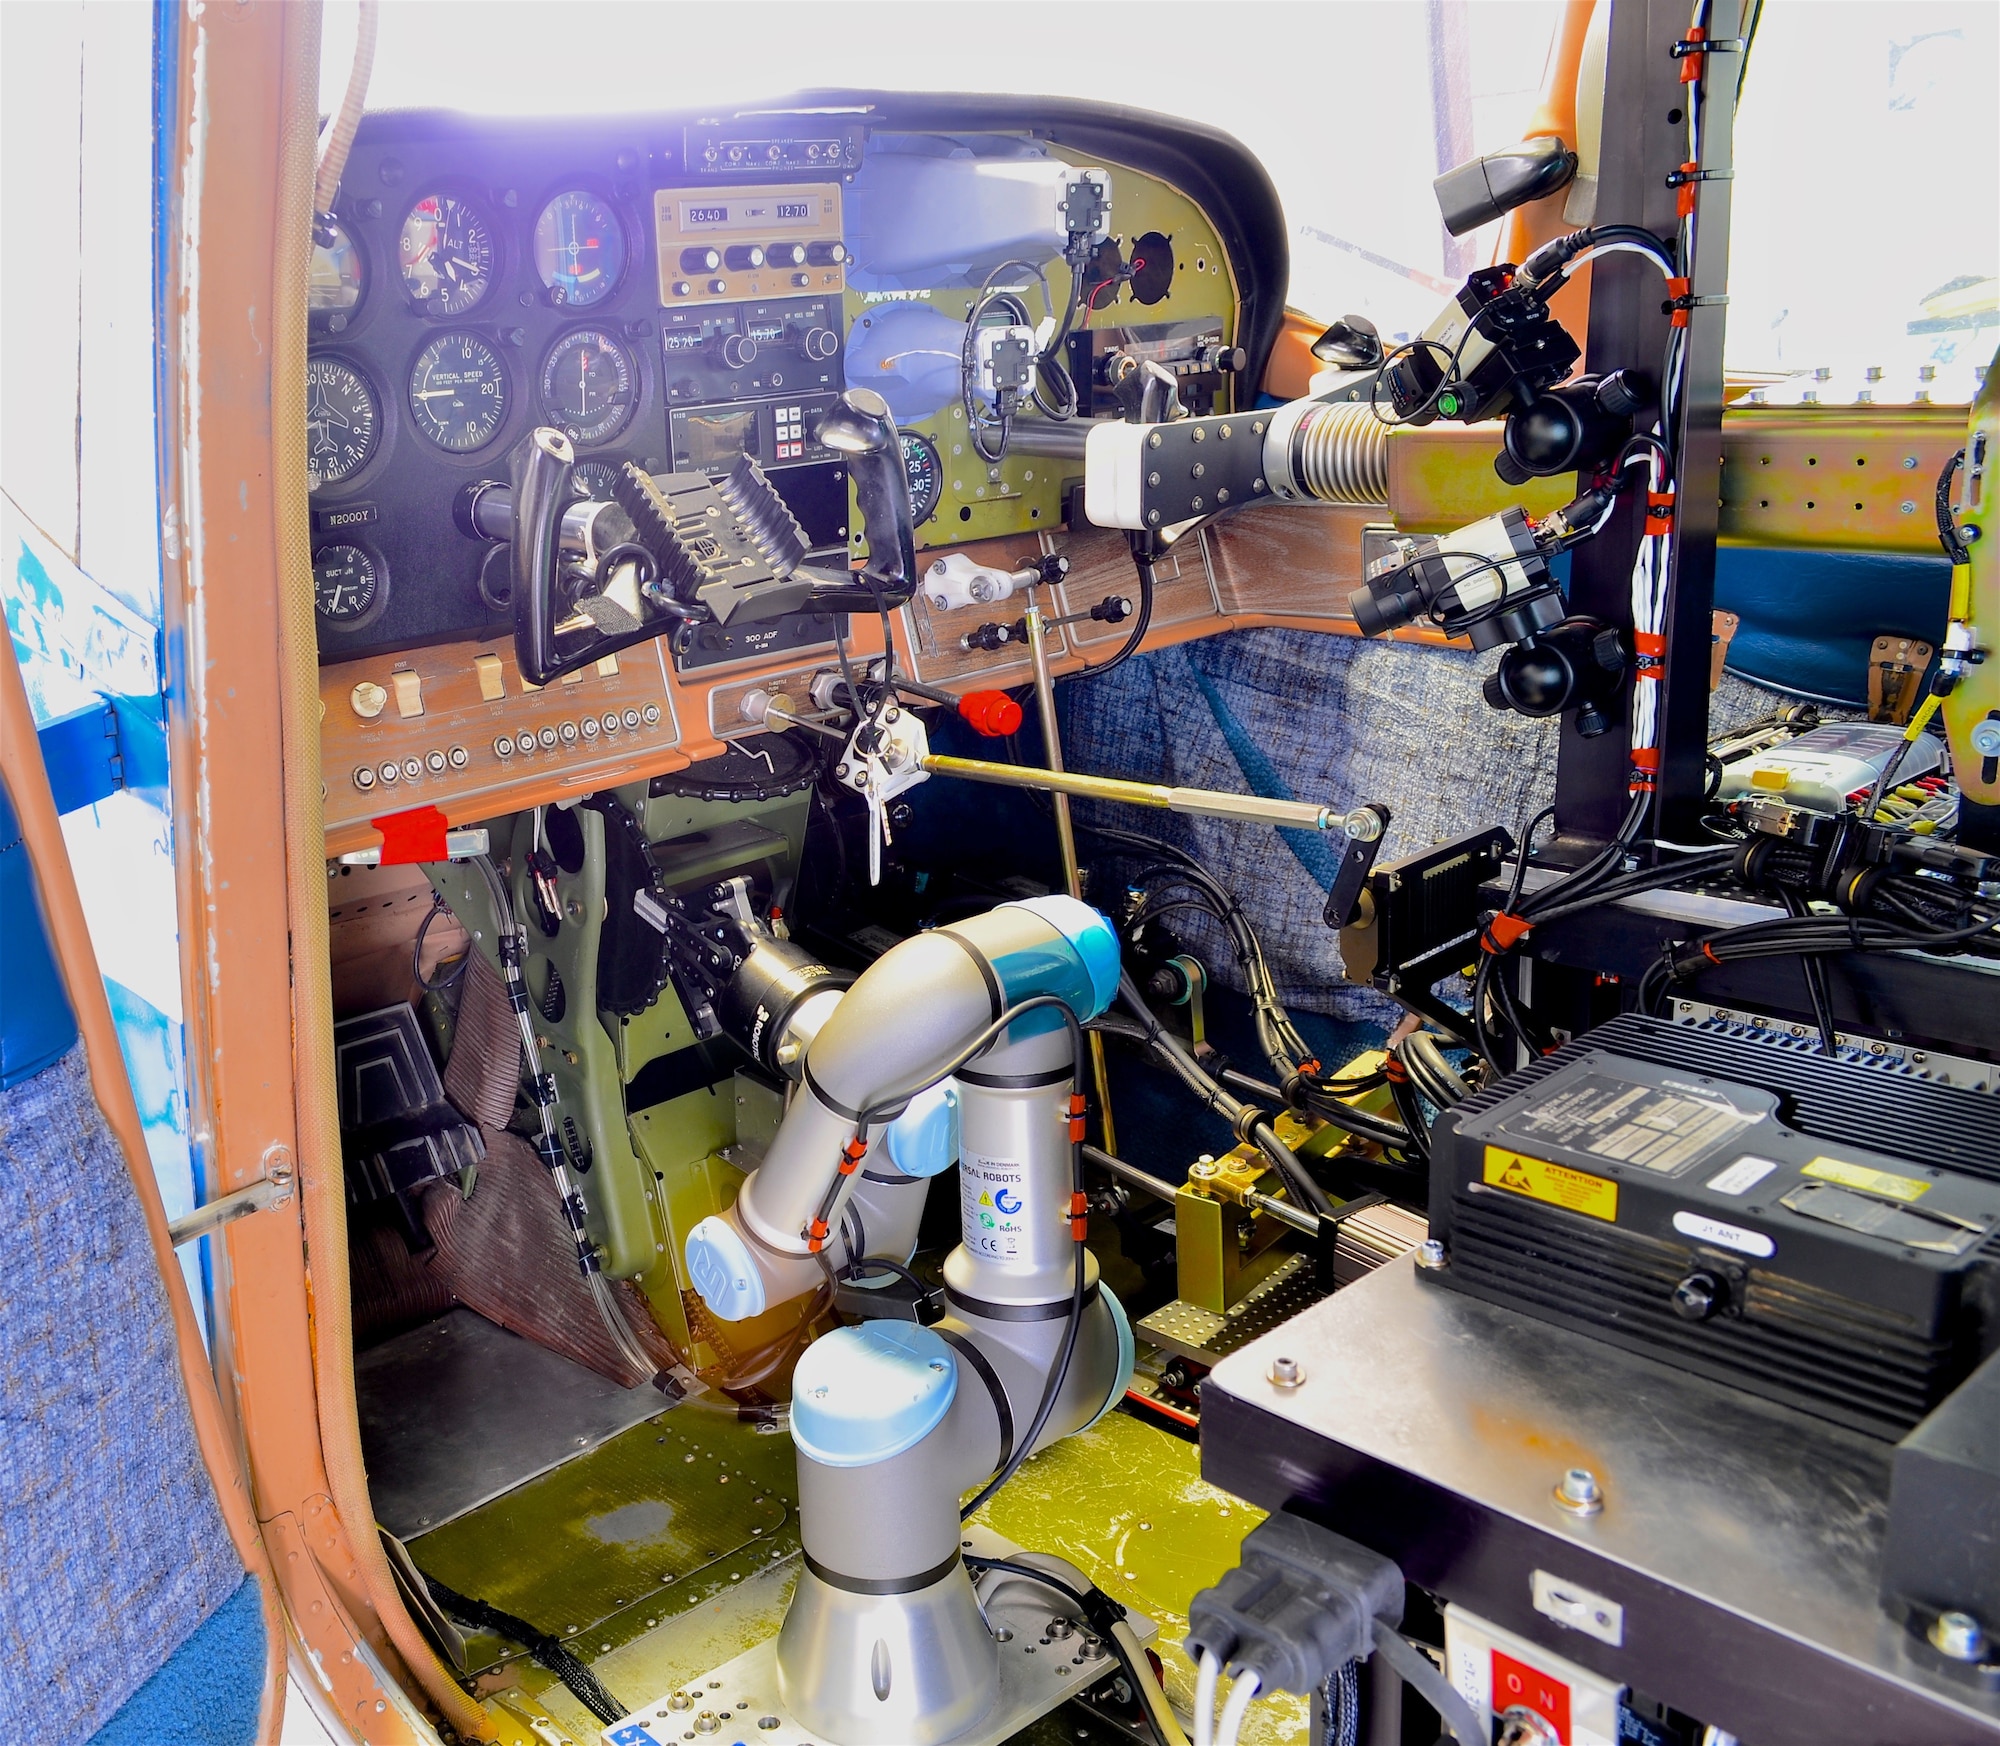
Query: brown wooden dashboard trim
point(1283, 567)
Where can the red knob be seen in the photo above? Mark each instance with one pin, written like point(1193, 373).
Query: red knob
point(992, 713)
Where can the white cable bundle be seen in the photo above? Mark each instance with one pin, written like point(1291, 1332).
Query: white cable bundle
point(1649, 617)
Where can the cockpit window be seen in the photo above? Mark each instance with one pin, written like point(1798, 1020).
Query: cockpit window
point(1352, 108)
point(1865, 235)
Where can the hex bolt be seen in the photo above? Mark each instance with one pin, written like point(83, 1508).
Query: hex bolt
point(1578, 1492)
point(1958, 1635)
point(1431, 1255)
point(1286, 1373)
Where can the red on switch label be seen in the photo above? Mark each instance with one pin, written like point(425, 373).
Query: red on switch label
point(1515, 1682)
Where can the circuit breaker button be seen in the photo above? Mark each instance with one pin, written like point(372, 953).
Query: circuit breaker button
point(492, 680)
point(436, 762)
point(364, 779)
point(368, 699)
point(548, 738)
point(409, 693)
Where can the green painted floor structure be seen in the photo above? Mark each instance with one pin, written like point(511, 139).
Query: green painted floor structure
point(673, 1547)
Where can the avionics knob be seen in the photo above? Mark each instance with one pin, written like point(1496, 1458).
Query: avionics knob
point(826, 254)
point(744, 257)
point(789, 254)
point(738, 350)
point(819, 343)
point(699, 260)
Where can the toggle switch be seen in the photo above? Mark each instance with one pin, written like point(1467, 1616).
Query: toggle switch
point(409, 688)
point(492, 680)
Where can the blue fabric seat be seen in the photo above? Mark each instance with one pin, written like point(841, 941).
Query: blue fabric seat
point(125, 1612)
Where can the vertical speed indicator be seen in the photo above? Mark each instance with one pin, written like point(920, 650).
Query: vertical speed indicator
point(458, 392)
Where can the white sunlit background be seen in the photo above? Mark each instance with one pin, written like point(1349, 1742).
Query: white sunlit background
point(1867, 202)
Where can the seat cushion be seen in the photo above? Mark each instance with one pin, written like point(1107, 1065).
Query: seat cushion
point(113, 1545)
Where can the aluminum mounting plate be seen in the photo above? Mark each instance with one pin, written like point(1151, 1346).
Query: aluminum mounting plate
point(737, 1704)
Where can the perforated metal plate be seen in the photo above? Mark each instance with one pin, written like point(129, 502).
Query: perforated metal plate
point(1201, 1335)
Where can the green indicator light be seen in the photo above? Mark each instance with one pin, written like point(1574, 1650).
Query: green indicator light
point(1448, 405)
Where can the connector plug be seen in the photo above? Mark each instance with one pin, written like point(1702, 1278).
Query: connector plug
point(1301, 1605)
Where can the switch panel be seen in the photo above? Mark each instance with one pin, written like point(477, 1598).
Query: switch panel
point(469, 737)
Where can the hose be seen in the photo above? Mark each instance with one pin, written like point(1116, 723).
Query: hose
point(1124, 1641)
point(1304, 1190)
point(1161, 1713)
point(339, 138)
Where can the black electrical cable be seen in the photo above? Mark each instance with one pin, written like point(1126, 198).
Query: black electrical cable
point(1355, 1121)
point(438, 905)
point(1447, 379)
point(551, 1652)
point(1142, 621)
point(1815, 975)
point(1095, 1609)
point(1949, 537)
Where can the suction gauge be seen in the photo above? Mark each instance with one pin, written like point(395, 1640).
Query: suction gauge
point(590, 386)
point(348, 585)
point(926, 471)
point(579, 249)
point(446, 254)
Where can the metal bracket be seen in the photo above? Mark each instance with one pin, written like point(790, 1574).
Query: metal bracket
point(93, 752)
point(273, 1188)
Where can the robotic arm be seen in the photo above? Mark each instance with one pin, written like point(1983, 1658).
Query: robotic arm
point(894, 1421)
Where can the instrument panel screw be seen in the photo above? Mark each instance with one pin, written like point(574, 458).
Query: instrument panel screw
point(1579, 1492)
point(1431, 1256)
point(1958, 1635)
point(1286, 1373)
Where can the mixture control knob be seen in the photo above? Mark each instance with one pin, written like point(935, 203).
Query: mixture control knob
point(744, 257)
point(819, 343)
point(700, 260)
point(826, 254)
point(716, 287)
point(789, 254)
point(738, 350)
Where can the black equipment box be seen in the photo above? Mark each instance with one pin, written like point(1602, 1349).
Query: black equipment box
point(1812, 1231)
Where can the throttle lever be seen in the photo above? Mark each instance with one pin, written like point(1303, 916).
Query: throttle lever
point(860, 427)
point(539, 472)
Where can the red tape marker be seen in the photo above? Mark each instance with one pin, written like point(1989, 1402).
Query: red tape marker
point(416, 835)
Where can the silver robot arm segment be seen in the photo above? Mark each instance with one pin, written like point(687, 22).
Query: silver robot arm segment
point(898, 1029)
point(895, 1422)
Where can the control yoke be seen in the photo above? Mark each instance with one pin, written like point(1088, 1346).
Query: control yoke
point(679, 549)
point(539, 472)
point(860, 426)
